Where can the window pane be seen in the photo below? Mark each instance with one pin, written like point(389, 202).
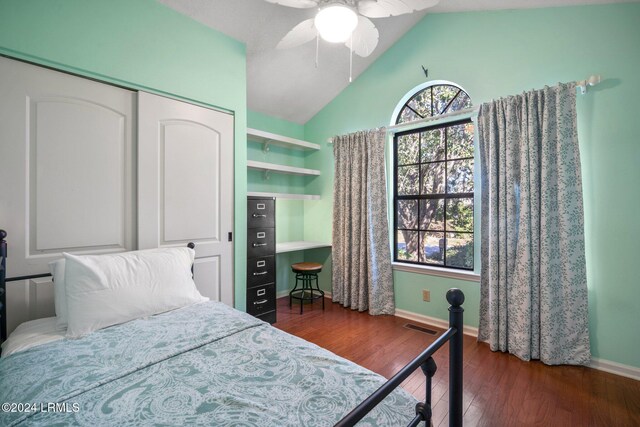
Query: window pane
point(422, 103)
point(460, 103)
point(432, 178)
point(432, 245)
point(460, 250)
point(442, 95)
point(432, 214)
point(408, 149)
point(460, 141)
point(460, 215)
point(408, 116)
point(408, 180)
point(432, 145)
point(407, 215)
point(408, 245)
point(460, 176)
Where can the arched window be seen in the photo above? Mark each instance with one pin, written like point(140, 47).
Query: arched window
point(433, 171)
point(434, 100)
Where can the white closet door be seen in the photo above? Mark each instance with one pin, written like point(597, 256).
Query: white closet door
point(66, 165)
point(66, 168)
point(185, 186)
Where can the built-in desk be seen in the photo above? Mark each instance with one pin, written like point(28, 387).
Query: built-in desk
point(299, 245)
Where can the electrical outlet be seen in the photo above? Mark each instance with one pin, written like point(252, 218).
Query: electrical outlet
point(426, 295)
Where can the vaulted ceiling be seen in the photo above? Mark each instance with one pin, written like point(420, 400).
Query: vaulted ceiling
point(286, 83)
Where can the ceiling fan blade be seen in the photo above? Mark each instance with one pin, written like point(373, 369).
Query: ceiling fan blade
point(300, 34)
point(300, 4)
point(365, 37)
point(385, 8)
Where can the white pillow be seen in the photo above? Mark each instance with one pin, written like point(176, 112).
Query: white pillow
point(59, 293)
point(105, 290)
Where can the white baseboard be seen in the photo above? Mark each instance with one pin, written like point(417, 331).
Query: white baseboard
point(599, 364)
point(443, 324)
point(615, 368)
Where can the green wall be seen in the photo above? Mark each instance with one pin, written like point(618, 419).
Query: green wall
point(144, 45)
point(500, 53)
point(289, 213)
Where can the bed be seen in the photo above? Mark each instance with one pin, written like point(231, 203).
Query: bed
point(201, 364)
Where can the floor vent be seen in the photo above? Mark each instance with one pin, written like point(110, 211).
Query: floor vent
point(420, 329)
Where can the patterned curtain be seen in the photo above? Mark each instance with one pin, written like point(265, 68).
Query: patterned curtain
point(533, 299)
point(362, 277)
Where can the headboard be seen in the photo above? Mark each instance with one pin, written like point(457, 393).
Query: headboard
point(29, 294)
point(3, 286)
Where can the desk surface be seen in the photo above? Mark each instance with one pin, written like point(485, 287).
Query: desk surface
point(299, 246)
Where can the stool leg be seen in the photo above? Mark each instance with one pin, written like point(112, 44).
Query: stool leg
point(292, 291)
point(304, 282)
point(321, 291)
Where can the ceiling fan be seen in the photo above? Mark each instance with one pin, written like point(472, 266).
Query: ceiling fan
point(346, 21)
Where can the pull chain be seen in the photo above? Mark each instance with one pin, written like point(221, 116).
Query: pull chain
point(317, 47)
point(351, 59)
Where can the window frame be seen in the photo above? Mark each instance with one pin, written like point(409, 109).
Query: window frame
point(438, 121)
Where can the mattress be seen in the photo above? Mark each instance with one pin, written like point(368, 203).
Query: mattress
point(31, 334)
point(205, 364)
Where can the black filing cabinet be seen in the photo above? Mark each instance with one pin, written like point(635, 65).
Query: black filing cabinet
point(261, 258)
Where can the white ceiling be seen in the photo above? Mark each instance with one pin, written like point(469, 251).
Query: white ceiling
point(285, 83)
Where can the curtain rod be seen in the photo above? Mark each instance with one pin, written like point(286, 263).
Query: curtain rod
point(582, 85)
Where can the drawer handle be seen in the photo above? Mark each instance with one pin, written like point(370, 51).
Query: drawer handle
point(256, 245)
point(259, 215)
point(259, 273)
point(263, 301)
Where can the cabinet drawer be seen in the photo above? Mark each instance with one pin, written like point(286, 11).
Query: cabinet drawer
point(261, 270)
point(268, 317)
point(261, 299)
point(261, 242)
point(261, 213)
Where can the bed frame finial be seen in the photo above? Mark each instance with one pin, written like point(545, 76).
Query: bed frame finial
point(455, 297)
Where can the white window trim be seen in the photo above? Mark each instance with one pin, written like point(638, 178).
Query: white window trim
point(436, 271)
point(471, 113)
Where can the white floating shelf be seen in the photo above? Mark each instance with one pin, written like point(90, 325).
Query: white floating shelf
point(300, 245)
point(280, 140)
point(290, 196)
point(252, 164)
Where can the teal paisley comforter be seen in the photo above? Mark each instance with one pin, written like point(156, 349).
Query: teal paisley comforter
point(206, 364)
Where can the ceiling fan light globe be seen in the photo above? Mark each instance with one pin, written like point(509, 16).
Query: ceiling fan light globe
point(336, 22)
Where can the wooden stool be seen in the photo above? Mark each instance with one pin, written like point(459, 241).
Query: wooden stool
point(306, 272)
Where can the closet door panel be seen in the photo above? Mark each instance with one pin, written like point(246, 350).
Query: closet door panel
point(78, 176)
point(185, 186)
point(191, 182)
point(206, 272)
point(67, 166)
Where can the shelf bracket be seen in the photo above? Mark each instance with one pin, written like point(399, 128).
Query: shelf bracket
point(267, 174)
point(266, 146)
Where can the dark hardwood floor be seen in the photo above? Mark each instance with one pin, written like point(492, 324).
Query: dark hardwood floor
point(499, 389)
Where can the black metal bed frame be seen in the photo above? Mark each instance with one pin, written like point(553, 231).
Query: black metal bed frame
point(454, 335)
